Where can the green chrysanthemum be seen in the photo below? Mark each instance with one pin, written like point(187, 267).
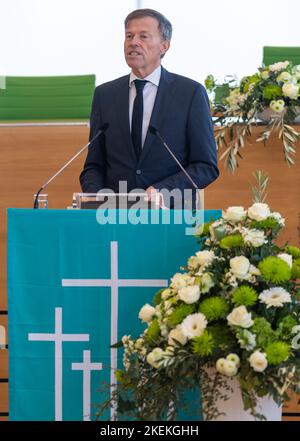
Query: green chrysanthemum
point(253, 79)
point(296, 269)
point(179, 314)
point(214, 308)
point(263, 331)
point(277, 352)
point(153, 332)
point(294, 251)
point(244, 295)
point(204, 344)
point(268, 224)
point(272, 91)
point(232, 241)
point(275, 270)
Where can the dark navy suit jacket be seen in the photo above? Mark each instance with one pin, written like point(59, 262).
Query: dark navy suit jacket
point(181, 114)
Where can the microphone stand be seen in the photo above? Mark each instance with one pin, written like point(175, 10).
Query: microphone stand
point(101, 130)
point(155, 131)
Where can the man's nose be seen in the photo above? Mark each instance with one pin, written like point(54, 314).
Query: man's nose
point(136, 40)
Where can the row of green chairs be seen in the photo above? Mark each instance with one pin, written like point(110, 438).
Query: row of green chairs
point(46, 98)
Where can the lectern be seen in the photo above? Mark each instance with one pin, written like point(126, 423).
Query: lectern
point(74, 288)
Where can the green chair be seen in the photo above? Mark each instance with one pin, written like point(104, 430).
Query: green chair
point(273, 54)
point(47, 98)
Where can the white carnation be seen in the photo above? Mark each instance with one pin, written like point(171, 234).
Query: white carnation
point(287, 258)
point(193, 325)
point(179, 280)
point(256, 238)
point(259, 211)
point(258, 361)
point(176, 335)
point(205, 257)
point(234, 214)
point(146, 313)
point(240, 317)
point(247, 340)
point(275, 297)
point(189, 294)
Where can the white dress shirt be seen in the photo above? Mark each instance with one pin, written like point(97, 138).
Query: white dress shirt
point(149, 95)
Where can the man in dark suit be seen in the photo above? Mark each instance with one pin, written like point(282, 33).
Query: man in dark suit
point(176, 106)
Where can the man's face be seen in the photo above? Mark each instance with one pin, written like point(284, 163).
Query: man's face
point(144, 45)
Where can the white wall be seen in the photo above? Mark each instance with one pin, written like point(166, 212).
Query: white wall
point(57, 37)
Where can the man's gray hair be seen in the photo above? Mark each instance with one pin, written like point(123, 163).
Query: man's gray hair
point(164, 25)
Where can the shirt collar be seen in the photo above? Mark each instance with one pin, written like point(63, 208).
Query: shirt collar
point(153, 78)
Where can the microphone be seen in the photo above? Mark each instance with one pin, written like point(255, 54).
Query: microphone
point(100, 131)
point(155, 131)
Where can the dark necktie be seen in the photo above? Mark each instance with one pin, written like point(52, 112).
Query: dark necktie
point(137, 117)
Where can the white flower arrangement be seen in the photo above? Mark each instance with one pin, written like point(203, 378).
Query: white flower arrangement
point(234, 309)
point(275, 90)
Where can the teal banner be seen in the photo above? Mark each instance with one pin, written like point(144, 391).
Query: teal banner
point(74, 288)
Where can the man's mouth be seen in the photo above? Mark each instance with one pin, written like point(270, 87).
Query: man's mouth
point(133, 53)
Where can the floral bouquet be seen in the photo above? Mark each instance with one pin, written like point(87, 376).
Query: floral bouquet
point(234, 310)
point(274, 89)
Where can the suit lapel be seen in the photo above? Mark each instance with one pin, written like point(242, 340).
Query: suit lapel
point(164, 93)
point(122, 106)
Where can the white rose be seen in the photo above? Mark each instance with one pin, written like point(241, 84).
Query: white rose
point(259, 211)
point(206, 282)
point(287, 258)
point(284, 76)
point(193, 262)
point(230, 368)
point(193, 325)
point(240, 317)
point(154, 358)
point(290, 90)
point(258, 361)
point(239, 266)
point(177, 334)
point(179, 280)
point(234, 214)
point(189, 294)
point(256, 238)
point(277, 106)
point(146, 313)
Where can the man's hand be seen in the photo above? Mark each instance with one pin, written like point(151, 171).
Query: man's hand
point(155, 196)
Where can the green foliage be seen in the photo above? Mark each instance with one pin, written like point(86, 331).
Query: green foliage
point(153, 333)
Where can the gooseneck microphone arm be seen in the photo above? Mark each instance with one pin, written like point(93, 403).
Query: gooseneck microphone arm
point(154, 131)
point(100, 131)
